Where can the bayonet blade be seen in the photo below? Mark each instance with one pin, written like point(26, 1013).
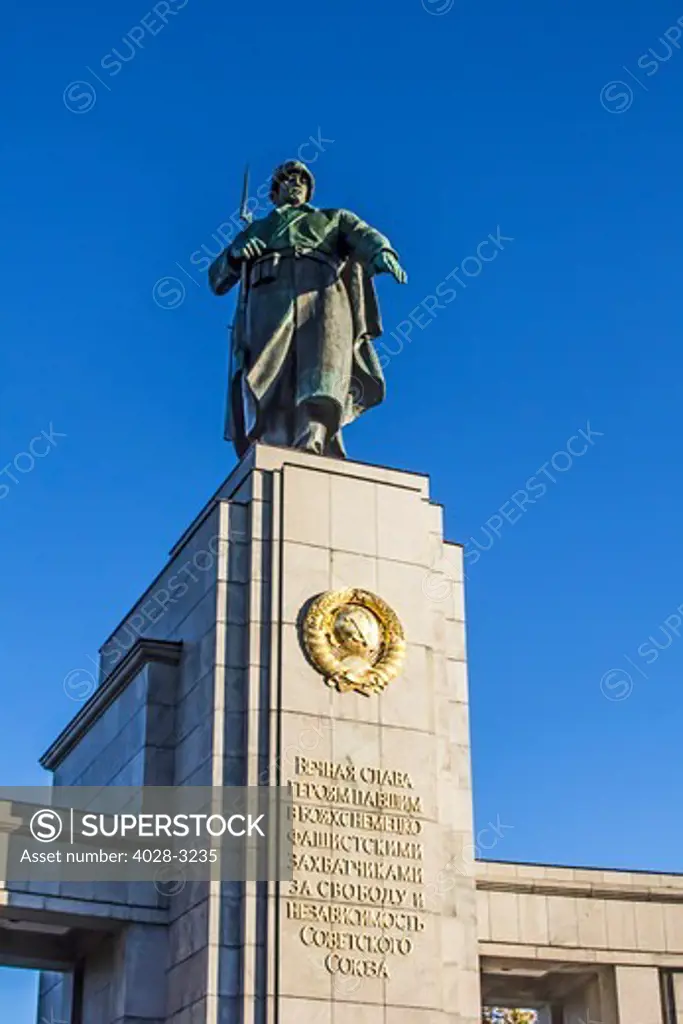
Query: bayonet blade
point(245, 213)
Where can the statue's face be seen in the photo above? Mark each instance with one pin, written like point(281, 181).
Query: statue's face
point(292, 188)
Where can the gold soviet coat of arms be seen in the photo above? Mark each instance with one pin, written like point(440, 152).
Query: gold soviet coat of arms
point(355, 640)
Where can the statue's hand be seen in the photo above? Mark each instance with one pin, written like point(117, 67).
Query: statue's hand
point(249, 250)
point(386, 263)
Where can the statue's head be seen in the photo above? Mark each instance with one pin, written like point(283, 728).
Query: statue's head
point(292, 183)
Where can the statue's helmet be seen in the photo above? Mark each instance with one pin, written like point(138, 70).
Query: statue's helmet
point(281, 172)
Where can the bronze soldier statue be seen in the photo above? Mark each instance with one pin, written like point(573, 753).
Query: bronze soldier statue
point(303, 362)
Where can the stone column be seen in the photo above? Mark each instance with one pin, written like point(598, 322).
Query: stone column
point(678, 997)
point(293, 952)
point(206, 683)
point(638, 995)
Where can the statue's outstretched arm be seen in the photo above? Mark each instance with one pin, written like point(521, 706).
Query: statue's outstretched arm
point(370, 246)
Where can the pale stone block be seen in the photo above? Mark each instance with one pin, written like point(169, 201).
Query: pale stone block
point(562, 921)
point(454, 763)
point(358, 1013)
point(302, 969)
point(415, 753)
point(483, 916)
point(458, 721)
point(359, 743)
point(619, 879)
point(457, 680)
point(650, 926)
point(451, 978)
point(304, 736)
point(678, 997)
point(466, 908)
point(455, 876)
point(457, 606)
point(267, 457)
point(402, 526)
point(469, 1005)
point(673, 927)
point(454, 554)
point(306, 506)
point(504, 917)
point(446, 565)
point(588, 875)
point(497, 870)
point(310, 1011)
point(250, 956)
point(259, 605)
point(454, 806)
point(350, 988)
point(437, 672)
point(238, 525)
point(456, 645)
point(435, 519)
point(530, 872)
point(458, 943)
point(445, 869)
point(416, 980)
point(592, 918)
point(533, 919)
point(556, 874)
point(638, 995)
point(403, 587)
point(303, 689)
point(220, 644)
point(306, 573)
point(447, 760)
point(406, 1015)
point(407, 700)
point(354, 515)
point(351, 570)
point(356, 707)
point(440, 625)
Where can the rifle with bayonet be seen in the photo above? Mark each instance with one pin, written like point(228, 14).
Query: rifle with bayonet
point(234, 407)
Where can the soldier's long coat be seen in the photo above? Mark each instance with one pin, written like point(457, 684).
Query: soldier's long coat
point(305, 327)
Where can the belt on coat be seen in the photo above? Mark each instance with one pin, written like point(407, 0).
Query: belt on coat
point(266, 267)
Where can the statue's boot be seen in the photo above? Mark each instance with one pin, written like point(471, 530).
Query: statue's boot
point(313, 438)
point(312, 427)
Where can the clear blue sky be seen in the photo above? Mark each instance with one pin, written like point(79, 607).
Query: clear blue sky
point(446, 127)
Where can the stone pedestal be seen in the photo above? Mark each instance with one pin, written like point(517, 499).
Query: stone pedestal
point(206, 683)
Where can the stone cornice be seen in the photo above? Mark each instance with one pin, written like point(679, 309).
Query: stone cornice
point(141, 653)
point(638, 892)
